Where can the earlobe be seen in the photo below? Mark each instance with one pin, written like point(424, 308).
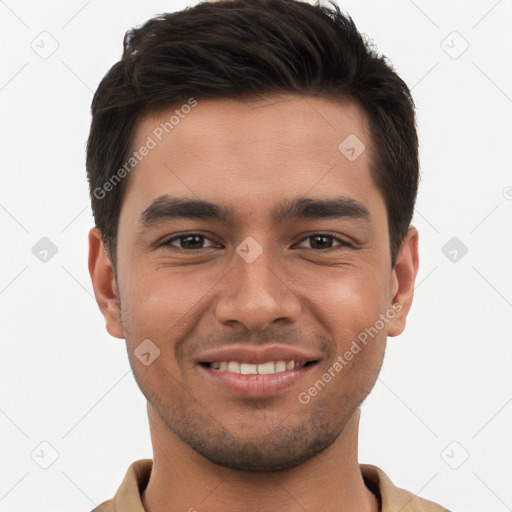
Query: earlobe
point(403, 280)
point(104, 285)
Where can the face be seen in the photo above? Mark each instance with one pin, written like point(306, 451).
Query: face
point(288, 261)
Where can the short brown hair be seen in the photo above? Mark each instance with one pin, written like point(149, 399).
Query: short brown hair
point(249, 49)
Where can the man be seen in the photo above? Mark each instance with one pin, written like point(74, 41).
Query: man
point(253, 167)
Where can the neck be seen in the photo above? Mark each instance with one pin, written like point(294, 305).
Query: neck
point(183, 480)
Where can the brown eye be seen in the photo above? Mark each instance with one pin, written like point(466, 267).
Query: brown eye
point(323, 241)
point(189, 241)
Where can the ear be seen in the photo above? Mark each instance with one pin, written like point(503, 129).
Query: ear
point(103, 282)
point(403, 279)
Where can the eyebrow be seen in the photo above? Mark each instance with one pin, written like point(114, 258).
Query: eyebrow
point(166, 207)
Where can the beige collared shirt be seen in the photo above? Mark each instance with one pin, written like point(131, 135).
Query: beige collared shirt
point(391, 498)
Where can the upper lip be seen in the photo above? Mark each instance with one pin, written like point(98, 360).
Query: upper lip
point(257, 354)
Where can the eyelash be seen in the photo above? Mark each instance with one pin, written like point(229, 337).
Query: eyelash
point(342, 242)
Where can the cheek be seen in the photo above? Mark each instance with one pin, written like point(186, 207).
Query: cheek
point(347, 304)
point(161, 304)
point(345, 300)
point(349, 309)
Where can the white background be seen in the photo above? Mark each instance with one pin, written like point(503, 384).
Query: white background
point(66, 382)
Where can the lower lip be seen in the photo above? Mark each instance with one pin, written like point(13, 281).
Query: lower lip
point(257, 385)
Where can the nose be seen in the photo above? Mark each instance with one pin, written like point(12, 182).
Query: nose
point(256, 294)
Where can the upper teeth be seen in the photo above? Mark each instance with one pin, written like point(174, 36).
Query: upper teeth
point(255, 369)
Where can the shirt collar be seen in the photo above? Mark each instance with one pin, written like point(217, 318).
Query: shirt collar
point(391, 498)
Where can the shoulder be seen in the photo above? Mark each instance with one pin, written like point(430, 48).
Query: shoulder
point(106, 506)
point(128, 495)
point(393, 498)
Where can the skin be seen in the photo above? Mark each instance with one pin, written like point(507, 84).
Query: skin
point(218, 451)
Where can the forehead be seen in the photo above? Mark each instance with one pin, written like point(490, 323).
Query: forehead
point(250, 153)
point(250, 126)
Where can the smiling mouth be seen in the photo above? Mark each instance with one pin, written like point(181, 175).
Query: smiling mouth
point(266, 368)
